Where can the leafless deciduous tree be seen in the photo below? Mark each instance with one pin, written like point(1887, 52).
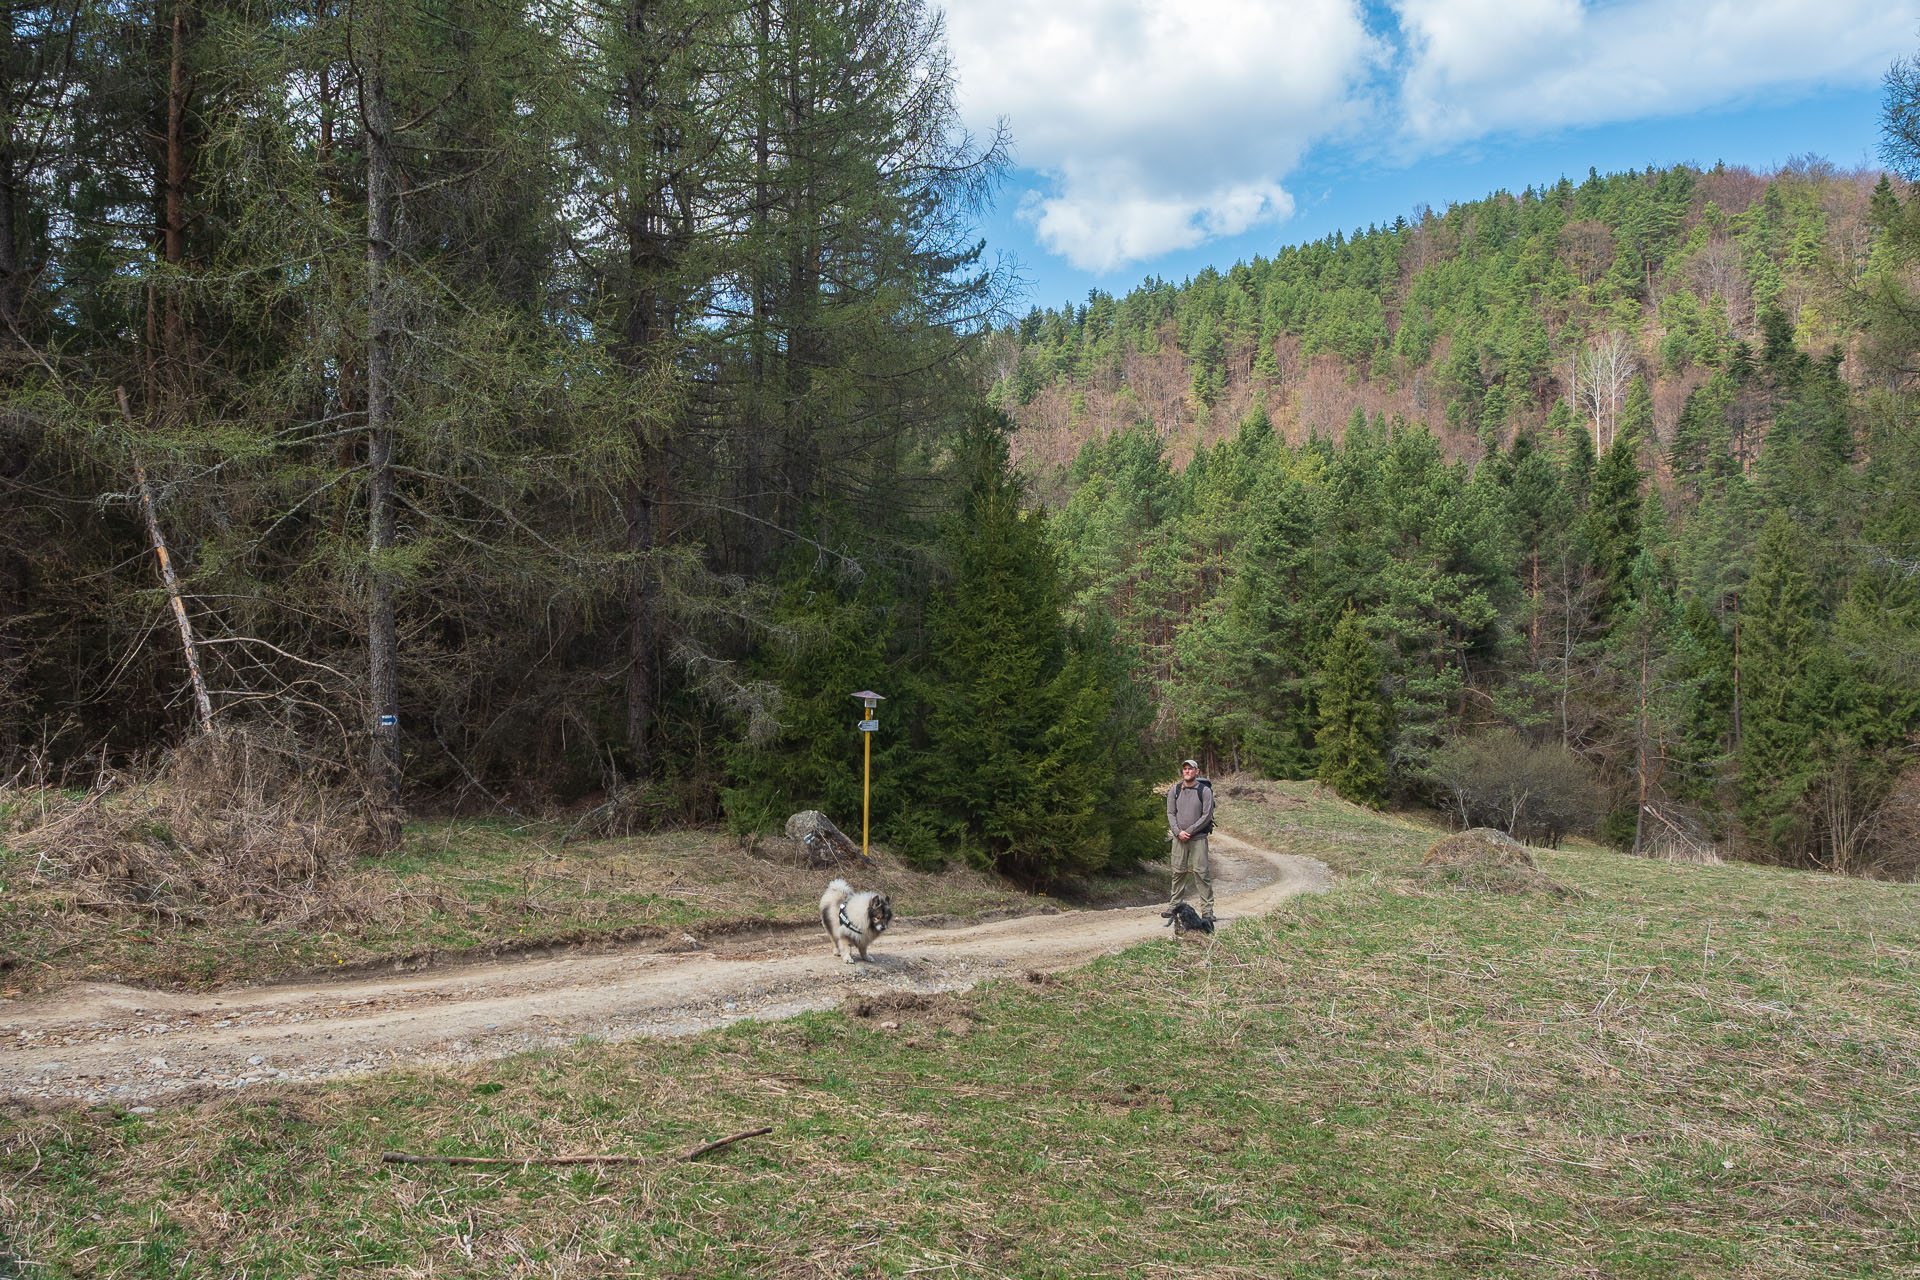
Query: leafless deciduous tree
point(1717, 268)
point(1889, 843)
point(1525, 789)
point(1601, 372)
point(1589, 250)
point(1900, 147)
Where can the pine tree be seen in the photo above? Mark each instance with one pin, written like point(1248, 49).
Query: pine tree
point(1702, 438)
point(1449, 566)
point(1703, 675)
point(1613, 517)
point(1778, 728)
point(1240, 688)
point(1539, 516)
point(35, 74)
point(1807, 471)
point(1017, 720)
point(1352, 719)
point(1349, 552)
point(1883, 207)
point(1575, 446)
point(1119, 760)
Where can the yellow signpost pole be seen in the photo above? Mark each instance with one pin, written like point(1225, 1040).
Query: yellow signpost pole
point(868, 727)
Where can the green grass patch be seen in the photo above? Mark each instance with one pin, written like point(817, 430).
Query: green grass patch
point(1680, 1071)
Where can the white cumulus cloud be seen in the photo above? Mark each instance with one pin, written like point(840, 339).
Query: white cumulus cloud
point(1479, 67)
point(1156, 125)
point(1159, 123)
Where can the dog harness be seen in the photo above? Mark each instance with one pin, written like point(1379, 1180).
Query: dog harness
point(848, 923)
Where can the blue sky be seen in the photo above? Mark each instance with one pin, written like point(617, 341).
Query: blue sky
point(1156, 137)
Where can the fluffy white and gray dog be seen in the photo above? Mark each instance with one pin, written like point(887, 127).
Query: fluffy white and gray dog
point(853, 920)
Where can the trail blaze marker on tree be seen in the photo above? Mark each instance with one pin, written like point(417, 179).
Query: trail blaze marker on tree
point(867, 727)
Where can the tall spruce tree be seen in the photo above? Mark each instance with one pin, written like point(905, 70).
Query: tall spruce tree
point(1271, 623)
point(1242, 659)
point(1703, 676)
point(1540, 512)
point(1779, 729)
point(36, 69)
point(1448, 566)
point(1016, 718)
point(1613, 517)
point(1352, 718)
point(1702, 442)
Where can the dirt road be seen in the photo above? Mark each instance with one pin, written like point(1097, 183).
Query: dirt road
point(105, 1043)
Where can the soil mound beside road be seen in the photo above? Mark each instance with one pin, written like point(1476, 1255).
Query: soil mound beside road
point(102, 1043)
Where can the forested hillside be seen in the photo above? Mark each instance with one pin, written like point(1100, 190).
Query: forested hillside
point(1612, 484)
point(1473, 322)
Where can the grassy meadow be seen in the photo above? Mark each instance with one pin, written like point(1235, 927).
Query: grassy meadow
point(1670, 1071)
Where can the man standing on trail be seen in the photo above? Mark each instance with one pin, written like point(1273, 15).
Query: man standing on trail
point(1189, 820)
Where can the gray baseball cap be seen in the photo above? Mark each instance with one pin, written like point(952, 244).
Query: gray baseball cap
point(1189, 764)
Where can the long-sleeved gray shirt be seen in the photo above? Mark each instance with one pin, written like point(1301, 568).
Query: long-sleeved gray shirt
point(1189, 807)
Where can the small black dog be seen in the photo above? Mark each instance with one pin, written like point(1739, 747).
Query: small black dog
point(1185, 920)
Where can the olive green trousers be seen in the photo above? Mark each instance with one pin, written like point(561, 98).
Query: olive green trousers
point(1193, 875)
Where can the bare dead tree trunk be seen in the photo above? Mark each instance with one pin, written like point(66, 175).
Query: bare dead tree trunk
point(383, 683)
point(200, 699)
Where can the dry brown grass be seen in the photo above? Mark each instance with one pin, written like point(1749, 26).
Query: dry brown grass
point(1480, 846)
point(230, 828)
point(1685, 850)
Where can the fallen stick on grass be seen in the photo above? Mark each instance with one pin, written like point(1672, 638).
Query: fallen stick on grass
point(400, 1157)
point(714, 1146)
